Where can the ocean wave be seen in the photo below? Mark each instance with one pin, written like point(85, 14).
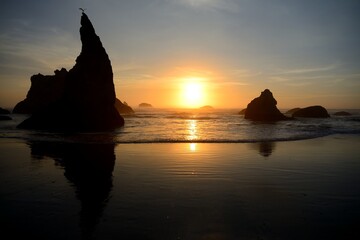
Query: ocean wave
point(106, 138)
point(191, 117)
point(176, 127)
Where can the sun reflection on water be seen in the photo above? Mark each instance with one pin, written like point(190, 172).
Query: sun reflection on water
point(192, 130)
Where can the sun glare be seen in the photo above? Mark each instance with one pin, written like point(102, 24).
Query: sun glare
point(193, 92)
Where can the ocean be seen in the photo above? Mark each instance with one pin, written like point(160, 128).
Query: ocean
point(185, 126)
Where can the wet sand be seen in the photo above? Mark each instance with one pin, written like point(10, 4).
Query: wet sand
point(272, 190)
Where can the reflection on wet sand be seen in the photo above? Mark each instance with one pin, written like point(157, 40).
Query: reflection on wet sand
point(89, 168)
point(265, 148)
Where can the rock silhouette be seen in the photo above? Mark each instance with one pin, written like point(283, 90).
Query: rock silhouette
point(145, 105)
point(88, 97)
point(242, 112)
point(263, 108)
point(207, 108)
point(291, 111)
point(5, 118)
point(4, 111)
point(342, 113)
point(44, 91)
point(123, 108)
point(312, 112)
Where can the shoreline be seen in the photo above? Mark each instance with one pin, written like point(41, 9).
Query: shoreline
point(108, 138)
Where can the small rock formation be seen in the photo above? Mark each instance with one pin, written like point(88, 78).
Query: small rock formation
point(5, 118)
point(123, 108)
point(145, 105)
point(44, 91)
point(206, 108)
point(263, 108)
point(312, 112)
point(291, 111)
point(342, 113)
point(87, 100)
point(242, 112)
point(4, 111)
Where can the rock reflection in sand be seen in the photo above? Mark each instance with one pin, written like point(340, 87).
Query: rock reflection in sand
point(89, 169)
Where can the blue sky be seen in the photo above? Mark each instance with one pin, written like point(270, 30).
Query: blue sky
point(305, 51)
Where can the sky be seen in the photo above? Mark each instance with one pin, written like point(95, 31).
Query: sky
point(306, 52)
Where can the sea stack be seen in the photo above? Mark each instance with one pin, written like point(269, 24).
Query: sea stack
point(145, 105)
point(312, 112)
point(88, 98)
point(263, 108)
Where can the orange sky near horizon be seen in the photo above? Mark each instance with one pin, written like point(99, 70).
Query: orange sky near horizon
point(170, 92)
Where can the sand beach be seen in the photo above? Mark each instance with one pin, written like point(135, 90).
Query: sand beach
point(305, 189)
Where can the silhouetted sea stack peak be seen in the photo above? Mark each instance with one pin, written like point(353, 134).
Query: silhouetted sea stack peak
point(87, 102)
point(263, 108)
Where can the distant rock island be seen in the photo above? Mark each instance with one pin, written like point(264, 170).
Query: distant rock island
point(263, 108)
point(342, 113)
point(207, 108)
point(145, 105)
point(82, 99)
point(312, 112)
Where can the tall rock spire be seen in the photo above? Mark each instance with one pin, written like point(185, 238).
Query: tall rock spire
point(88, 98)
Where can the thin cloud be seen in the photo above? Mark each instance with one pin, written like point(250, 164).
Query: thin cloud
point(279, 79)
point(244, 73)
point(226, 5)
point(233, 83)
point(300, 84)
point(310, 70)
point(35, 48)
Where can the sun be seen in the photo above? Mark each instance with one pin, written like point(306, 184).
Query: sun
point(193, 92)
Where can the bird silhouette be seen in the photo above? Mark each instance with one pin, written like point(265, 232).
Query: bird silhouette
point(82, 9)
